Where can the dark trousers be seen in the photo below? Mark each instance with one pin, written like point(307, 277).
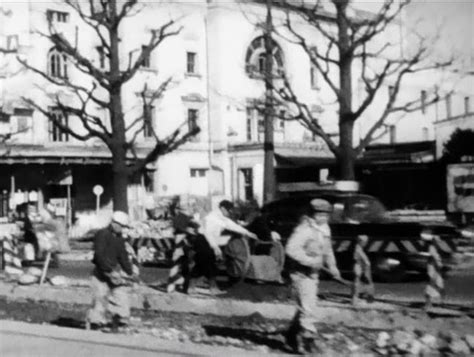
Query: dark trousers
point(205, 263)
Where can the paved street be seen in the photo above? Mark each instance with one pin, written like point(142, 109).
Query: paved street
point(459, 286)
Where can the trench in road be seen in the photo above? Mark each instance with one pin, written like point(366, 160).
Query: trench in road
point(459, 286)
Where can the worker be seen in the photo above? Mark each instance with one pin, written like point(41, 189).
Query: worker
point(112, 276)
point(218, 228)
point(309, 248)
point(363, 284)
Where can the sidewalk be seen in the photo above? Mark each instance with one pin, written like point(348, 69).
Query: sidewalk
point(21, 339)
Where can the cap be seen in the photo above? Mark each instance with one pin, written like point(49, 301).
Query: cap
point(120, 218)
point(320, 205)
point(226, 204)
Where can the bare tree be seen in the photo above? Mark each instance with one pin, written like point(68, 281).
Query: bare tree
point(346, 46)
point(105, 18)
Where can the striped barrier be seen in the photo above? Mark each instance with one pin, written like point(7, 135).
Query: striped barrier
point(133, 258)
point(11, 255)
point(178, 275)
point(147, 249)
point(435, 288)
point(393, 245)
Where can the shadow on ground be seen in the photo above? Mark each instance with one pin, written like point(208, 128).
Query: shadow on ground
point(272, 340)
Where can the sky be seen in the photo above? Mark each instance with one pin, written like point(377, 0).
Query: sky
point(452, 20)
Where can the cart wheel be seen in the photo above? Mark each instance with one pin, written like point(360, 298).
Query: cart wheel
point(237, 254)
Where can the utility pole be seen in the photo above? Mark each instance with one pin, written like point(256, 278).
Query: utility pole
point(268, 146)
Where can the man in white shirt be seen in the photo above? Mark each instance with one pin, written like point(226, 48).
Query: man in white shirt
point(219, 221)
point(217, 229)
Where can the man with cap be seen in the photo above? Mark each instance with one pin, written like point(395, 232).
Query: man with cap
point(309, 248)
point(112, 275)
point(217, 230)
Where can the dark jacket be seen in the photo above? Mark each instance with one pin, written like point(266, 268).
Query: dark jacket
point(110, 252)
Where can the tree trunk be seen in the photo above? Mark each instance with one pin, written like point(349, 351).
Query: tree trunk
point(346, 157)
point(118, 147)
point(120, 182)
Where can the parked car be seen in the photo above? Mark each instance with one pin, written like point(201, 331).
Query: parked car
point(395, 248)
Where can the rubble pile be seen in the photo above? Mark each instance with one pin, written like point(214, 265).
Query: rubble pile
point(151, 229)
point(417, 343)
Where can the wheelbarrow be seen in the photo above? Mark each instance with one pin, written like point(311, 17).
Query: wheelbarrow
point(254, 259)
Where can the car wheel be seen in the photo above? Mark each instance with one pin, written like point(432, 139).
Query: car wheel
point(389, 270)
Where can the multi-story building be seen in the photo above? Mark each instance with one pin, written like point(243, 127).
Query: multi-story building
point(216, 64)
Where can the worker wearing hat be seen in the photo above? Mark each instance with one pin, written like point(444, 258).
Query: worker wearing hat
point(308, 249)
point(112, 274)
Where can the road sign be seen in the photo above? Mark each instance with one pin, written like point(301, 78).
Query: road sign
point(98, 190)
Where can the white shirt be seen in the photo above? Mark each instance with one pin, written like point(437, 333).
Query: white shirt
point(215, 223)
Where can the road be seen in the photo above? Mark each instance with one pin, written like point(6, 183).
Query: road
point(459, 286)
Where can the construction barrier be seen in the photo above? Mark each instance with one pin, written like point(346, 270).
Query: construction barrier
point(435, 288)
point(179, 274)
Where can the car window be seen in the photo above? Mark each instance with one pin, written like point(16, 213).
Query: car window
point(364, 209)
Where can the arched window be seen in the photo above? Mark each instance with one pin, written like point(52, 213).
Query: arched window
point(57, 64)
point(255, 58)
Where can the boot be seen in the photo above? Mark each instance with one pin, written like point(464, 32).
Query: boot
point(115, 324)
point(291, 335)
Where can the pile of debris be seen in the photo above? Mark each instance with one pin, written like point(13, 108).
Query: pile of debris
point(418, 343)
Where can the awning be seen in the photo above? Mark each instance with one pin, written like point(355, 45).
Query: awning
point(301, 161)
point(413, 152)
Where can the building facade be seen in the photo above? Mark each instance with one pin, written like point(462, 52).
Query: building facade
point(215, 63)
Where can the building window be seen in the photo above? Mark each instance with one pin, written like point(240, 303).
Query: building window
point(147, 60)
point(148, 119)
point(57, 16)
point(426, 133)
point(191, 62)
point(247, 183)
point(12, 42)
point(22, 124)
point(467, 105)
point(448, 106)
point(194, 173)
point(248, 127)
point(102, 55)
point(255, 125)
point(55, 132)
point(57, 64)
point(423, 101)
point(255, 58)
point(193, 119)
point(279, 122)
point(392, 129)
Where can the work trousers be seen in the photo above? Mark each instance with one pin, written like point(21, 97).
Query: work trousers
point(205, 264)
point(306, 290)
point(363, 283)
point(108, 298)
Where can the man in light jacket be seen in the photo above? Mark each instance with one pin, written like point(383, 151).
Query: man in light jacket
point(217, 230)
point(308, 249)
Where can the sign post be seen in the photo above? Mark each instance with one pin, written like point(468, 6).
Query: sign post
point(98, 191)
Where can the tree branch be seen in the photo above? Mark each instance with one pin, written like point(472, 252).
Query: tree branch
point(157, 37)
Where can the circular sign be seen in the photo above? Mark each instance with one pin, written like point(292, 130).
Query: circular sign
point(98, 190)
